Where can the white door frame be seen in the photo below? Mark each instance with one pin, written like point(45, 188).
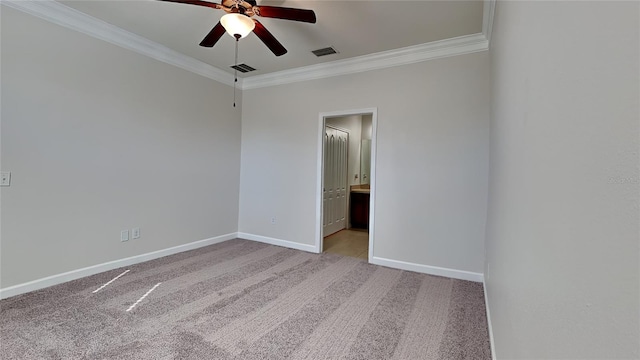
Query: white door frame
point(320, 172)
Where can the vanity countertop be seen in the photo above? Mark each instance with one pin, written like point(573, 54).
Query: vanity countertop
point(363, 191)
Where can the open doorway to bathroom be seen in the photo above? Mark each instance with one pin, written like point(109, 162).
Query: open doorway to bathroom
point(346, 183)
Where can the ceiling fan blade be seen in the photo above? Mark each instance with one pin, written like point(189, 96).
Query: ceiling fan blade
point(268, 39)
point(213, 36)
point(287, 13)
point(196, 2)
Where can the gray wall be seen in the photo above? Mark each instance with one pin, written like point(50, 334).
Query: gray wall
point(101, 139)
point(562, 236)
point(432, 158)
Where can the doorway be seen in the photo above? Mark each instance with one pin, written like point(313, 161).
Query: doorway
point(346, 192)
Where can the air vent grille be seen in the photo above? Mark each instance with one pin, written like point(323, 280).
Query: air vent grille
point(324, 51)
point(243, 68)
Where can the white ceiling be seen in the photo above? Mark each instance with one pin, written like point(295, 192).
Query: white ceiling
point(354, 28)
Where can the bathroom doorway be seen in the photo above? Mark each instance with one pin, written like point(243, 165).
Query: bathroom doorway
point(346, 192)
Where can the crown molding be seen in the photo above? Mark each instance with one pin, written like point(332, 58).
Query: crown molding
point(429, 51)
point(63, 15)
point(487, 18)
point(403, 56)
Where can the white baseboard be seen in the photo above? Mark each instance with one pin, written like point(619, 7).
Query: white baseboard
point(95, 269)
point(278, 242)
point(427, 269)
point(486, 304)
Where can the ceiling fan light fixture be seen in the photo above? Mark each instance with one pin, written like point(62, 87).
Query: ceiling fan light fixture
point(237, 24)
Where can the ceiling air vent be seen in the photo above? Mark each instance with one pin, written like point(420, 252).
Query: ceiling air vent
point(243, 68)
point(325, 51)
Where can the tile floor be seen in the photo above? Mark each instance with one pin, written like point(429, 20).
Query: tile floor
point(348, 242)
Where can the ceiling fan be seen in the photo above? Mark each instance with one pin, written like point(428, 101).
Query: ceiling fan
point(238, 21)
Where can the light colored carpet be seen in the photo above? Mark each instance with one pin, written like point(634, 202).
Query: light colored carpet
point(246, 300)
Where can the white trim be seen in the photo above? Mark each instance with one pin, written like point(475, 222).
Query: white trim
point(278, 242)
point(372, 180)
point(487, 18)
point(95, 269)
point(319, 183)
point(427, 269)
point(63, 15)
point(486, 304)
point(408, 55)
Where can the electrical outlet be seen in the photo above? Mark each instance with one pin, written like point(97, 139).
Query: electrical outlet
point(135, 233)
point(124, 235)
point(273, 220)
point(5, 178)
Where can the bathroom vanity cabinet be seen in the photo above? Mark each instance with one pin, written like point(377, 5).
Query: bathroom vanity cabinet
point(360, 209)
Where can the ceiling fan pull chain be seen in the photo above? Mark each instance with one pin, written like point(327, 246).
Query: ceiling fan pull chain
point(235, 73)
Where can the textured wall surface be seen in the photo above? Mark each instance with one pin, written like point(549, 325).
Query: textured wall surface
point(432, 158)
point(100, 139)
point(563, 231)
